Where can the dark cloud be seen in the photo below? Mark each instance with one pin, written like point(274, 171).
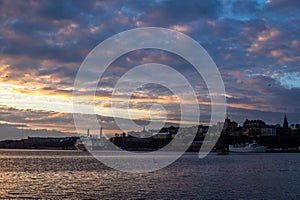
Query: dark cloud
point(253, 43)
point(58, 10)
point(14, 132)
point(283, 4)
point(245, 8)
point(30, 116)
point(168, 13)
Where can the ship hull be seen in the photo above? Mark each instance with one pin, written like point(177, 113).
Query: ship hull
point(247, 150)
point(91, 144)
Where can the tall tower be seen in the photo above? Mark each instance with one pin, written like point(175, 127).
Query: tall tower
point(101, 133)
point(285, 122)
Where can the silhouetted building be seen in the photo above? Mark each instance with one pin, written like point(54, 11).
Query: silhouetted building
point(285, 123)
point(295, 126)
point(231, 125)
point(268, 131)
point(254, 124)
point(202, 130)
point(41, 143)
point(253, 127)
point(284, 130)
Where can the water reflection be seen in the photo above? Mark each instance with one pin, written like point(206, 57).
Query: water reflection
point(74, 174)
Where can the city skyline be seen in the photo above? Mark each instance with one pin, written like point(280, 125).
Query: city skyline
point(255, 45)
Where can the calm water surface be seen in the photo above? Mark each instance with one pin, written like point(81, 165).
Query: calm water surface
point(77, 175)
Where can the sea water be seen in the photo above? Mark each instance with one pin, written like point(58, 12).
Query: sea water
point(78, 175)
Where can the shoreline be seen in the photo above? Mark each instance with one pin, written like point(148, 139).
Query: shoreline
point(268, 151)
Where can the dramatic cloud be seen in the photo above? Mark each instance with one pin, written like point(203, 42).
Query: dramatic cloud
point(255, 44)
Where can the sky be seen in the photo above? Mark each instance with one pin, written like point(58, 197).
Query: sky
point(254, 43)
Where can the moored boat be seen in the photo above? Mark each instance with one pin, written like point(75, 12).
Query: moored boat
point(247, 148)
point(222, 152)
point(90, 142)
point(79, 145)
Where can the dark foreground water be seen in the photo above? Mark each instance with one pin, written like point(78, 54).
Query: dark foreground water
point(77, 175)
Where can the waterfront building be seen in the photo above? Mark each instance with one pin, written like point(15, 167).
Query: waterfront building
point(296, 129)
point(254, 124)
point(170, 129)
point(202, 130)
point(284, 130)
point(253, 128)
point(268, 131)
point(163, 135)
point(230, 127)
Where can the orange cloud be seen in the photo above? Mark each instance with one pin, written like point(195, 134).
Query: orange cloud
point(263, 39)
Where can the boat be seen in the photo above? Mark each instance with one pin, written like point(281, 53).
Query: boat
point(90, 142)
point(247, 148)
point(85, 143)
point(79, 145)
point(222, 152)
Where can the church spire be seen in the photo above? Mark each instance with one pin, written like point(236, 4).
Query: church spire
point(285, 122)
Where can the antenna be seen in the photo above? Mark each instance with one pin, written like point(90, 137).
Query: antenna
point(22, 132)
